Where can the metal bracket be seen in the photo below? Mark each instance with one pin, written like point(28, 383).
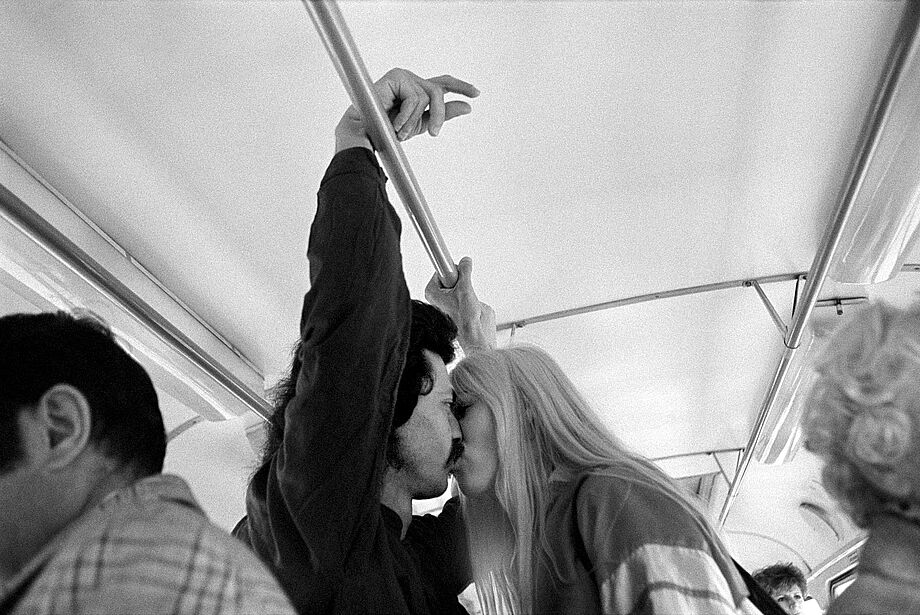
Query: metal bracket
point(722, 471)
point(795, 296)
point(777, 319)
point(839, 302)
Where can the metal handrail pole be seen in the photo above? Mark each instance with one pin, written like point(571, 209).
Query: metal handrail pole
point(905, 42)
point(671, 294)
point(342, 50)
point(748, 453)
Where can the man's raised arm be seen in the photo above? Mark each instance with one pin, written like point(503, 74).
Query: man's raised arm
point(314, 511)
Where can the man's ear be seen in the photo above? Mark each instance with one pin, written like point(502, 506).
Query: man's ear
point(65, 415)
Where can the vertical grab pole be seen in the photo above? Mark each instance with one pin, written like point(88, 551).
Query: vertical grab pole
point(341, 48)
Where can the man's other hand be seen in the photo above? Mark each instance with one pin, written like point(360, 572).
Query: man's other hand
point(475, 320)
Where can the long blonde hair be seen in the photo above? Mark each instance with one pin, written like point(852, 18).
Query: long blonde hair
point(542, 425)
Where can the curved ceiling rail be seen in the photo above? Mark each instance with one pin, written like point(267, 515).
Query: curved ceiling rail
point(104, 269)
point(674, 292)
point(905, 44)
point(342, 50)
point(664, 294)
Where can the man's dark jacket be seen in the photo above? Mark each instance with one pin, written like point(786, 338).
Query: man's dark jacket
point(313, 510)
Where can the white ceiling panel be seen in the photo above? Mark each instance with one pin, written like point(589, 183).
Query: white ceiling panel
point(678, 375)
point(617, 148)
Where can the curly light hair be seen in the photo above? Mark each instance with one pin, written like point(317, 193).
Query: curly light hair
point(863, 412)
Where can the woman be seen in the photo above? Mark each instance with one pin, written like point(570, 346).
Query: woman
point(863, 418)
point(561, 517)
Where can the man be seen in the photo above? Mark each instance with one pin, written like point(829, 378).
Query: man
point(364, 423)
point(89, 525)
point(786, 584)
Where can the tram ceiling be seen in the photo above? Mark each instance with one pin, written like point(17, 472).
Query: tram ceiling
point(679, 144)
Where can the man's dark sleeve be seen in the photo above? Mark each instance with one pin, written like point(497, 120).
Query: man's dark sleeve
point(354, 332)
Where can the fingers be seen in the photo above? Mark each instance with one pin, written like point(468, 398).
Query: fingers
point(456, 86)
point(487, 322)
point(433, 289)
point(436, 292)
point(441, 112)
point(421, 101)
point(456, 108)
point(435, 106)
point(464, 284)
point(465, 267)
point(411, 107)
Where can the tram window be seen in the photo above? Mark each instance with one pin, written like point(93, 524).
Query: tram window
point(841, 582)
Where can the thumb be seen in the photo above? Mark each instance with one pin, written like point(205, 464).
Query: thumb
point(465, 267)
point(456, 108)
point(433, 289)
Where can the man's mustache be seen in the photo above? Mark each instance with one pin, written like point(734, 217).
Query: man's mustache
point(456, 451)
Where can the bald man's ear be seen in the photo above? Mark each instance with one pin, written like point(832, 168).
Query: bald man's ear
point(65, 417)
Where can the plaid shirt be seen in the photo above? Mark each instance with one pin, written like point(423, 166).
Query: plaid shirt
point(146, 548)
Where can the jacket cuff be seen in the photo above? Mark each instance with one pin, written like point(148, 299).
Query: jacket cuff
point(358, 160)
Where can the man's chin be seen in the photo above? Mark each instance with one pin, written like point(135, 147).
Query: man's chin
point(433, 490)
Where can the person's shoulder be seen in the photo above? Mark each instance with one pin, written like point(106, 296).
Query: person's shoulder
point(158, 518)
point(634, 490)
point(150, 548)
point(176, 534)
point(637, 507)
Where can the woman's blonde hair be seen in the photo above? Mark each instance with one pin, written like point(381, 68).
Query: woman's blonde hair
point(542, 425)
point(863, 412)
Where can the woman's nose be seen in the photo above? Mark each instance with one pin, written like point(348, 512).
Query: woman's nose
point(455, 430)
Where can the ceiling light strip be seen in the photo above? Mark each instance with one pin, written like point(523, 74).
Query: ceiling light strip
point(9, 151)
point(39, 230)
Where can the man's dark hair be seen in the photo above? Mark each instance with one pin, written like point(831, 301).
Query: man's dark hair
point(39, 351)
point(780, 576)
point(430, 329)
